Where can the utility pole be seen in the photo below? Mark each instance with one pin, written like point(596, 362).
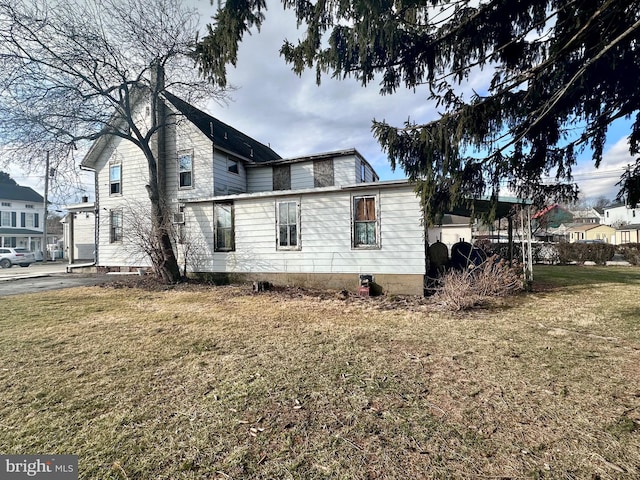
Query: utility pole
point(46, 212)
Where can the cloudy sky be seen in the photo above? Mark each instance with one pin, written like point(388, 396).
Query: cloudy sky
point(297, 117)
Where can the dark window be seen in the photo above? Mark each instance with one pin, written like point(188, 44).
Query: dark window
point(288, 229)
point(323, 173)
point(365, 224)
point(115, 179)
point(363, 172)
point(185, 170)
point(115, 226)
point(224, 234)
point(232, 166)
point(282, 177)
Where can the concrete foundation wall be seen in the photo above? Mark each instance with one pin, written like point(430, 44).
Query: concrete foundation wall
point(383, 283)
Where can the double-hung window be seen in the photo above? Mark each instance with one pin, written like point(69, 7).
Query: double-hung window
point(115, 226)
point(288, 231)
point(365, 222)
point(5, 219)
point(115, 179)
point(224, 232)
point(185, 169)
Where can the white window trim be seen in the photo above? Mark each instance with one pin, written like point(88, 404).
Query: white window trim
point(230, 163)
point(111, 165)
point(378, 244)
point(112, 238)
point(215, 229)
point(181, 154)
point(298, 245)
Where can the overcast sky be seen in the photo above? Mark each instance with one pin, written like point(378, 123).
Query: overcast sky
point(297, 117)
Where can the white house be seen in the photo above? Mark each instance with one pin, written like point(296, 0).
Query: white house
point(243, 212)
point(618, 214)
point(79, 232)
point(21, 217)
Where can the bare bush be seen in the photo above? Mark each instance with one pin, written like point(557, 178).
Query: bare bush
point(461, 290)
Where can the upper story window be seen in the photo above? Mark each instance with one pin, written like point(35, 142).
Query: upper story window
point(282, 177)
point(185, 170)
point(232, 166)
point(363, 171)
point(288, 231)
point(365, 222)
point(30, 220)
point(5, 219)
point(6, 204)
point(115, 179)
point(323, 173)
point(28, 206)
point(224, 232)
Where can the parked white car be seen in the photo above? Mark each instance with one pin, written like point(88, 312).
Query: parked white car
point(15, 256)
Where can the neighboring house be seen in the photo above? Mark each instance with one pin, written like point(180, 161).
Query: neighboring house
point(244, 213)
point(451, 230)
point(551, 217)
point(21, 218)
point(79, 232)
point(581, 232)
point(588, 215)
point(618, 214)
point(629, 233)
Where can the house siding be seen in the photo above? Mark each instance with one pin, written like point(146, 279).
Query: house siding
point(185, 137)
point(259, 179)
point(326, 236)
point(134, 197)
point(226, 182)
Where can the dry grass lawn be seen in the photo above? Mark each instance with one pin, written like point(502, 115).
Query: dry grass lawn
point(215, 382)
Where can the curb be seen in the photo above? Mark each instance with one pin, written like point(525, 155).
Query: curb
point(24, 277)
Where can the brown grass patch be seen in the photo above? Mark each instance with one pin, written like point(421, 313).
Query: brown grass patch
point(215, 382)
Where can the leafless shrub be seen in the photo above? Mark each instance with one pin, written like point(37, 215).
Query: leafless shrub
point(461, 290)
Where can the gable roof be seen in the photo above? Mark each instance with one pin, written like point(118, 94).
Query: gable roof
point(583, 227)
point(629, 226)
point(548, 209)
point(222, 135)
point(16, 192)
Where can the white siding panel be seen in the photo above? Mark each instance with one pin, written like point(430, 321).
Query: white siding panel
point(346, 170)
point(227, 182)
point(133, 199)
point(186, 137)
point(301, 175)
point(326, 237)
point(260, 179)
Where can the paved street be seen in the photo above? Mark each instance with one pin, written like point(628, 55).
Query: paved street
point(38, 269)
point(44, 276)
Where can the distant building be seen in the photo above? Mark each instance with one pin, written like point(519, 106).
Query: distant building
point(22, 217)
point(80, 232)
point(618, 214)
